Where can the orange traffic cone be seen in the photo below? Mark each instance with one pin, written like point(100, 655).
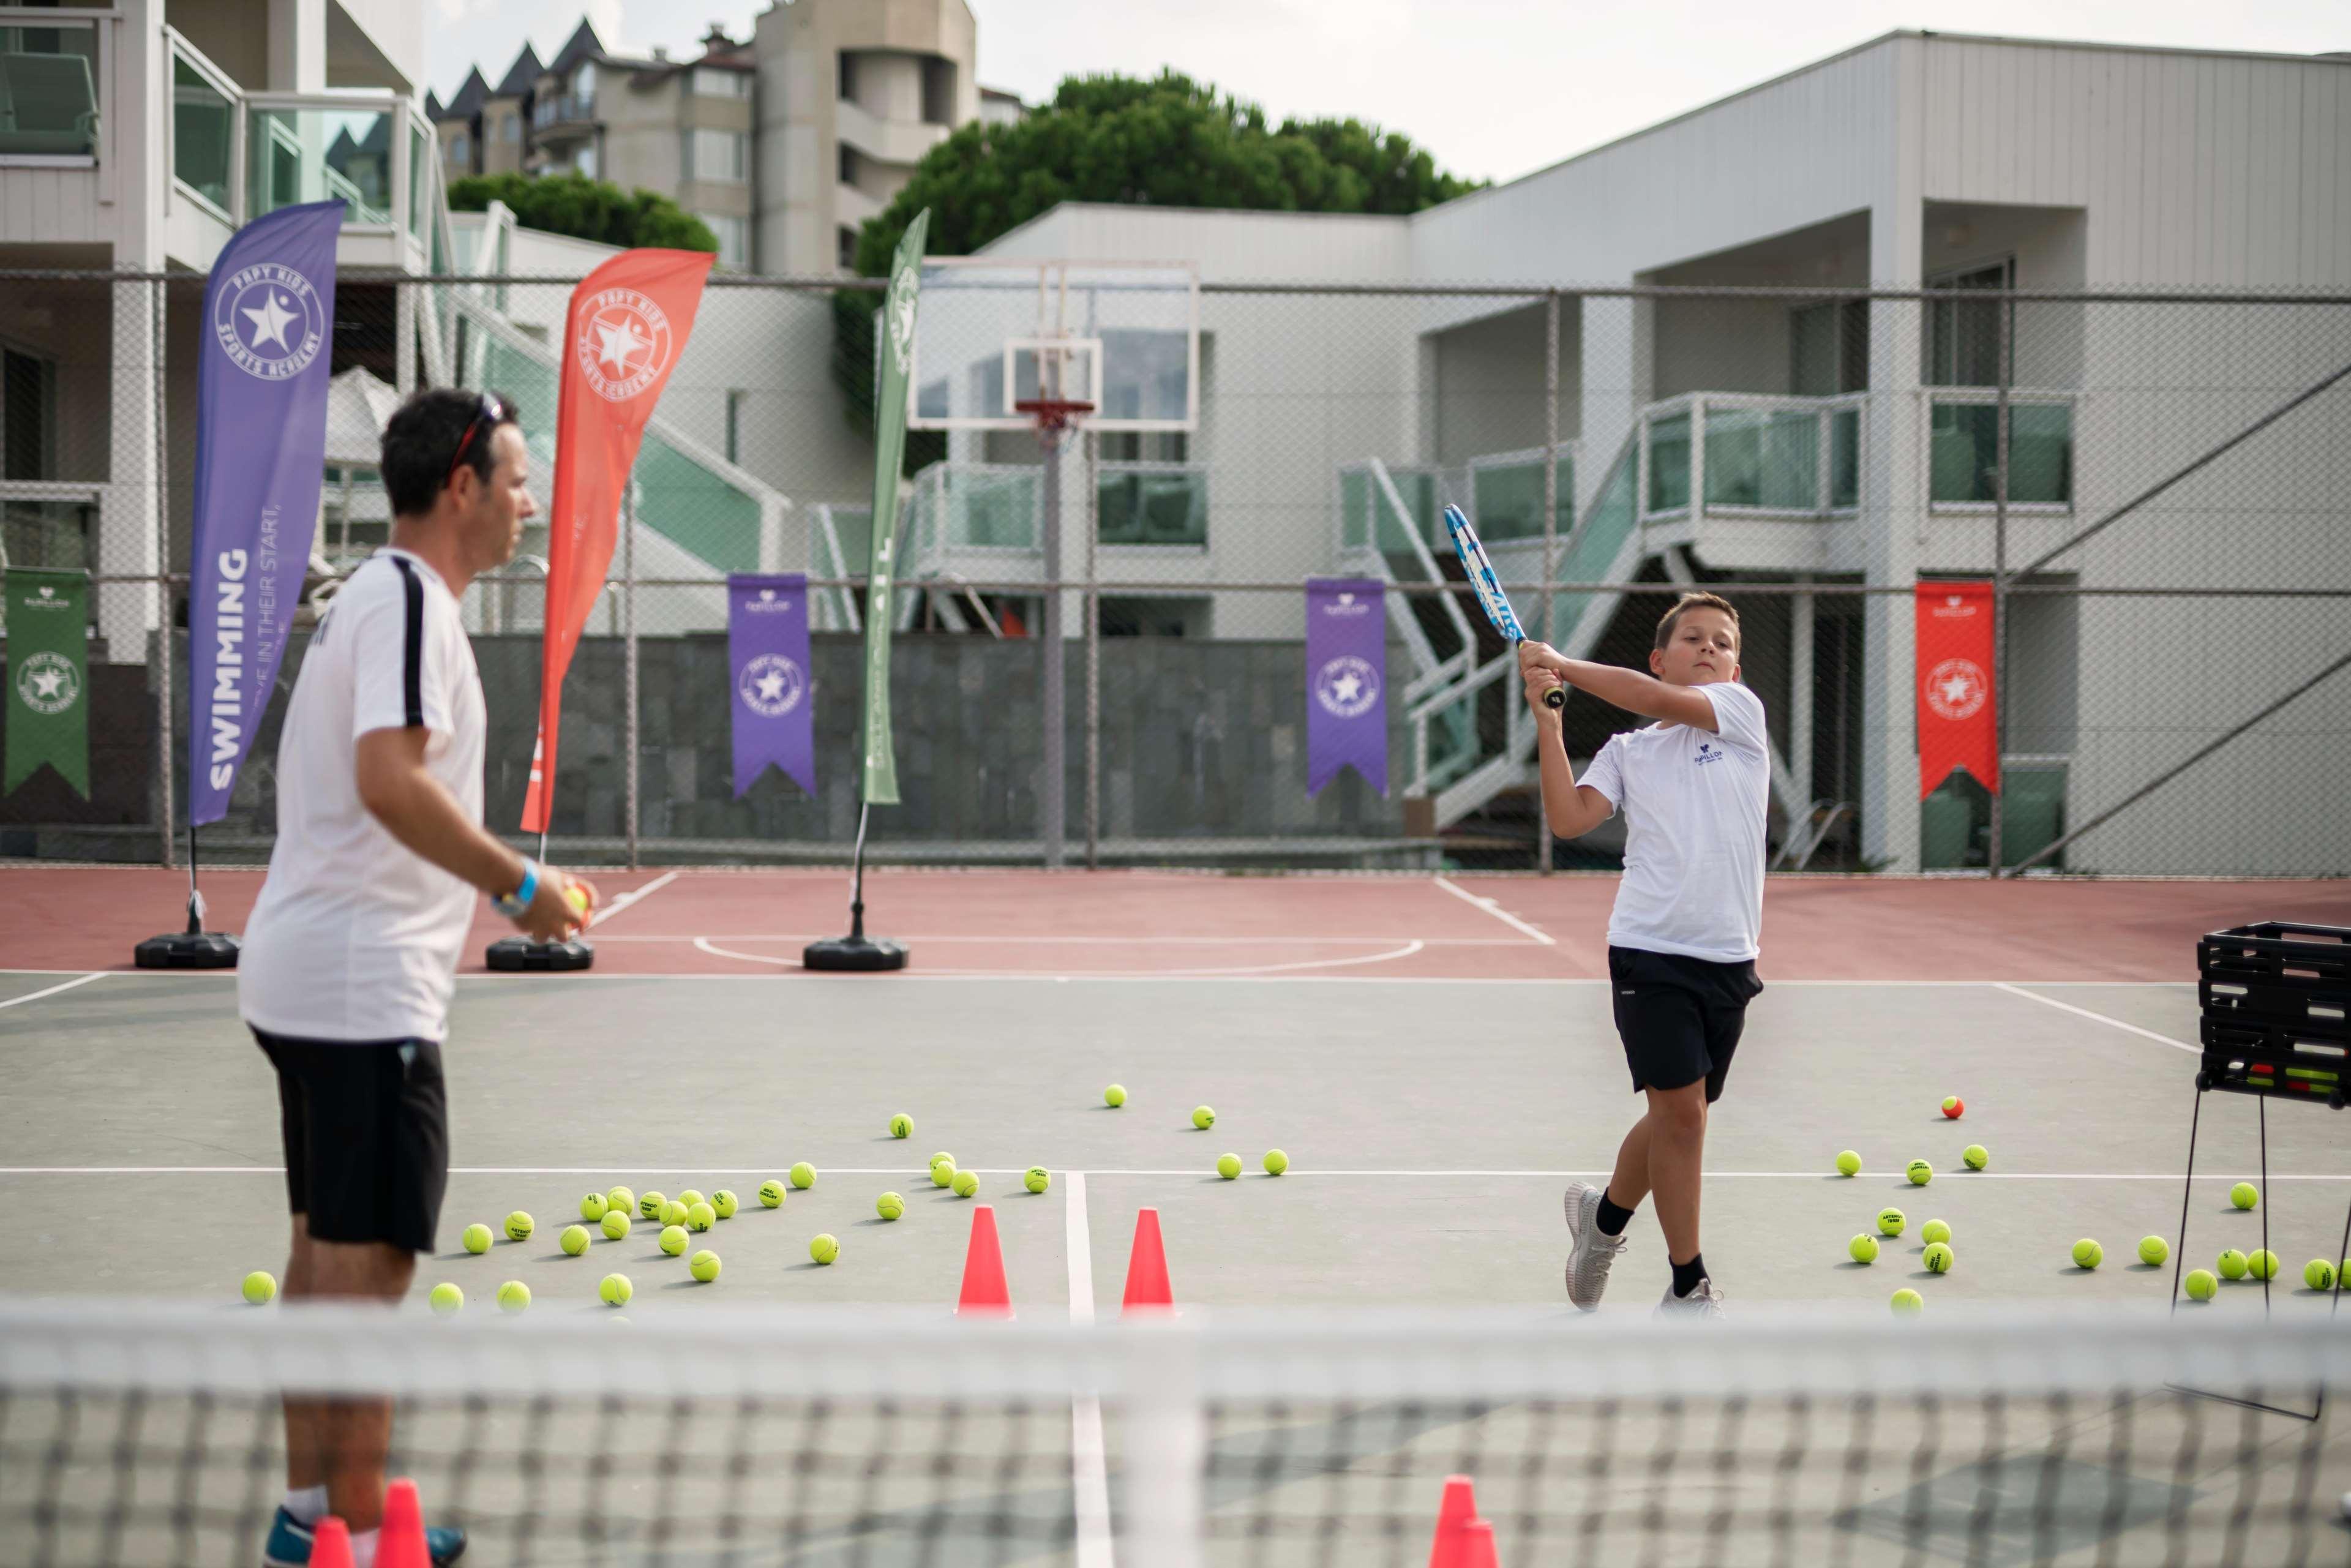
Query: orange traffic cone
point(401, 1543)
point(984, 1287)
point(330, 1544)
point(1146, 1267)
point(1459, 1507)
point(1478, 1545)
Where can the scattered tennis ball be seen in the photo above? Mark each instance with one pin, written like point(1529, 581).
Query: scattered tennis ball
point(1203, 1117)
point(1938, 1257)
point(1919, 1172)
point(445, 1298)
point(616, 1224)
point(260, 1287)
point(1276, 1161)
point(673, 1213)
point(1862, 1249)
point(1909, 1304)
point(1114, 1096)
point(771, 1195)
point(2244, 1195)
point(1934, 1231)
point(2262, 1265)
point(690, 1197)
point(824, 1249)
point(2233, 1264)
point(888, 1206)
point(673, 1240)
point(723, 1203)
point(1848, 1164)
point(701, 1217)
point(623, 1198)
point(513, 1296)
point(616, 1290)
point(1890, 1222)
point(1229, 1166)
point(702, 1265)
point(1954, 1107)
point(2318, 1274)
point(2153, 1249)
point(574, 1240)
point(803, 1176)
point(650, 1205)
point(518, 1226)
point(943, 1173)
point(943, 1155)
point(966, 1184)
point(1037, 1179)
point(2088, 1254)
point(902, 1126)
point(476, 1238)
point(2201, 1285)
point(592, 1208)
point(1976, 1155)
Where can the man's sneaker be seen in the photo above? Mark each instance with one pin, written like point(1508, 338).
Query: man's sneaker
point(288, 1545)
point(1703, 1301)
point(1589, 1260)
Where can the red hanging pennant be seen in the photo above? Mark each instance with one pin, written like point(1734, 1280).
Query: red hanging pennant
point(1956, 705)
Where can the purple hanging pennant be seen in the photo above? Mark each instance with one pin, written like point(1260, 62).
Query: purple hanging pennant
point(1346, 681)
point(768, 655)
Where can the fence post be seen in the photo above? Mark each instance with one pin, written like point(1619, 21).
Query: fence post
point(1551, 539)
point(1094, 650)
point(629, 651)
point(1051, 787)
point(1994, 857)
point(164, 757)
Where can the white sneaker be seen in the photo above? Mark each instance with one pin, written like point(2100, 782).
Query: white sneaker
point(1593, 1254)
point(1703, 1301)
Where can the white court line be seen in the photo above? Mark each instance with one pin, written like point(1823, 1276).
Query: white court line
point(1383, 1174)
point(586, 976)
point(53, 991)
point(704, 944)
point(622, 901)
point(1097, 941)
point(1496, 910)
point(1088, 1470)
point(2098, 1017)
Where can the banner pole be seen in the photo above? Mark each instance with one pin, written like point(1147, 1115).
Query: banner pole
point(1551, 530)
point(1093, 651)
point(2000, 694)
point(164, 758)
point(857, 877)
point(629, 649)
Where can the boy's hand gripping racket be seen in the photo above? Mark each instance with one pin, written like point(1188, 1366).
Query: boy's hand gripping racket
point(1490, 589)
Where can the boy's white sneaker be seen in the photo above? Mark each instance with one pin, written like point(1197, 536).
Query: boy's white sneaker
point(1592, 1254)
point(1703, 1301)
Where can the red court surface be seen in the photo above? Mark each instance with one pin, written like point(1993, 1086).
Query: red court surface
point(1163, 923)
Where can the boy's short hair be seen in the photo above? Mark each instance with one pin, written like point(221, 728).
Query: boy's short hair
point(1697, 600)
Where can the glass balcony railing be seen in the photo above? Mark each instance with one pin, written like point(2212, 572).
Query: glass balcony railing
point(203, 132)
point(1765, 458)
point(1670, 463)
point(1963, 449)
point(1153, 503)
point(316, 155)
point(1506, 493)
point(49, 89)
point(1745, 452)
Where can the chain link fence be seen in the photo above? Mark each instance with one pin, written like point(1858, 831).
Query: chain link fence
point(2156, 484)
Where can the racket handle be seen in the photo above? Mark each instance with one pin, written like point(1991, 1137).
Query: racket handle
point(1556, 697)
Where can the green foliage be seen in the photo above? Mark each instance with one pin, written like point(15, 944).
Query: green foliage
point(1166, 142)
point(573, 204)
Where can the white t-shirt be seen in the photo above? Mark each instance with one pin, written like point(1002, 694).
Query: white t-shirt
point(355, 936)
point(1694, 805)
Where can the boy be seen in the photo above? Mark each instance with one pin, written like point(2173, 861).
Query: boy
point(1682, 938)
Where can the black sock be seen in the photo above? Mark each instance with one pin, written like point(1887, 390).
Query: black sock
point(1613, 1220)
point(1687, 1275)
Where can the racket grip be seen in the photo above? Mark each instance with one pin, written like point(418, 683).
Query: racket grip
point(1556, 697)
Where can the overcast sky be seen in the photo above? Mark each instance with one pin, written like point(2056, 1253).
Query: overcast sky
point(1494, 88)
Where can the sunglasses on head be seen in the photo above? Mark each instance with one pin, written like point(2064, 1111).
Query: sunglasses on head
point(488, 412)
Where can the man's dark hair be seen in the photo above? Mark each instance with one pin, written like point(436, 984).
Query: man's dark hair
point(420, 444)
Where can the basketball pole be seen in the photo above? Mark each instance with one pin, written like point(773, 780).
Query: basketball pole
point(1051, 807)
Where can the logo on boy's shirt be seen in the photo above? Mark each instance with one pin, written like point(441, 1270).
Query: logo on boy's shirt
point(1709, 752)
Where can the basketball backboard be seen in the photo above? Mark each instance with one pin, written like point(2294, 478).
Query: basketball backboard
point(994, 332)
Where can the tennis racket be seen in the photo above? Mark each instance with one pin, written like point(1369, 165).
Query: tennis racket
point(1490, 597)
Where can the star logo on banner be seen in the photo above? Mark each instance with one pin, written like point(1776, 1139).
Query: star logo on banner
point(47, 683)
point(1956, 689)
point(268, 320)
point(1347, 686)
point(623, 344)
point(771, 685)
point(618, 342)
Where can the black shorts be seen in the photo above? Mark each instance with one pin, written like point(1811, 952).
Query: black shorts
point(367, 1138)
point(1679, 1018)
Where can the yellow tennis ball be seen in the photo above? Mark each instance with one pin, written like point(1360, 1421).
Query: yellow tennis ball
point(1919, 1172)
point(1037, 1179)
point(1909, 1304)
point(1890, 1222)
point(888, 1206)
point(1976, 1155)
point(823, 1248)
point(518, 1226)
point(1276, 1161)
point(702, 1265)
point(578, 897)
point(902, 1126)
point(673, 1213)
point(1229, 1166)
point(2233, 1264)
point(943, 1173)
point(1937, 1259)
point(966, 1184)
point(616, 1224)
point(260, 1287)
point(673, 1240)
point(592, 1208)
point(771, 1195)
point(1862, 1249)
point(2262, 1265)
point(2244, 1195)
point(803, 1176)
point(1848, 1164)
point(723, 1203)
point(1114, 1096)
point(513, 1296)
point(2088, 1254)
point(2201, 1285)
point(1203, 1117)
point(445, 1298)
point(616, 1290)
point(574, 1240)
point(476, 1238)
point(2318, 1274)
point(1934, 1231)
point(623, 1198)
point(2153, 1249)
point(943, 1155)
point(701, 1217)
point(690, 1197)
point(650, 1205)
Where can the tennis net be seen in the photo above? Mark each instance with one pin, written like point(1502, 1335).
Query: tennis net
point(151, 1435)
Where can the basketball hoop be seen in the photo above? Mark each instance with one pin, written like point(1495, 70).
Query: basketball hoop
point(1054, 414)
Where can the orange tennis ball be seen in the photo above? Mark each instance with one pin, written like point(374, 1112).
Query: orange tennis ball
point(1953, 1106)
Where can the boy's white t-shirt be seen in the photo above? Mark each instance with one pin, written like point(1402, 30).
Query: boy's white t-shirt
point(1694, 806)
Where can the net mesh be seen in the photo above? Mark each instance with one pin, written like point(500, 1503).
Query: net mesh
point(153, 1436)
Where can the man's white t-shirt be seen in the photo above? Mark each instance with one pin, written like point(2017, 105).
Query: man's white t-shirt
point(356, 936)
point(1694, 805)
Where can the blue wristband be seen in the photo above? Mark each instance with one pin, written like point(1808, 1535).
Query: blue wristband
point(512, 904)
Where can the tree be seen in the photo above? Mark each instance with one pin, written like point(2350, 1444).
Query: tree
point(1165, 142)
point(573, 204)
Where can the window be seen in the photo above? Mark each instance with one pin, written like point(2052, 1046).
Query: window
point(48, 93)
point(709, 83)
point(734, 238)
point(938, 92)
point(583, 83)
point(28, 415)
point(848, 77)
point(584, 161)
point(1962, 335)
point(461, 149)
point(514, 124)
point(1828, 349)
point(847, 253)
point(734, 426)
point(847, 165)
point(719, 157)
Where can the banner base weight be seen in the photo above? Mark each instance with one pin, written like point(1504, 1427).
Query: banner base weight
point(855, 954)
point(187, 950)
point(514, 953)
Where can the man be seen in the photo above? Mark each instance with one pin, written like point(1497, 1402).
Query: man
point(1684, 934)
point(352, 952)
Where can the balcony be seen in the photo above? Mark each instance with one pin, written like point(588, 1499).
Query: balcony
point(887, 141)
point(1164, 504)
point(1963, 450)
point(50, 115)
point(566, 117)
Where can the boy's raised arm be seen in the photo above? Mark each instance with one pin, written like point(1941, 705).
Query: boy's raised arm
point(1620, 687)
